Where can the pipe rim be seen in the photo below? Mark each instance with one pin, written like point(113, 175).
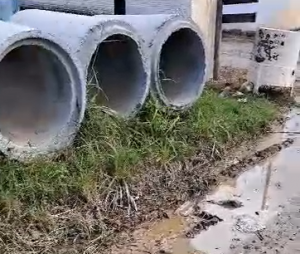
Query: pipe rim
point(117, 27)
point(170, 27)
point(64, 136)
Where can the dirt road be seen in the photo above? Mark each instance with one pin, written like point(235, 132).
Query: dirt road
point(258, 212)
point(269, 220)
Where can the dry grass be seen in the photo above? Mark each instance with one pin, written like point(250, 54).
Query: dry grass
point(119, 173)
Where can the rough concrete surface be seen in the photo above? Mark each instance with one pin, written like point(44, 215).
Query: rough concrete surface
point(178, 57)
point(274, 60)
point(111, 53)
point(202, 12)
point(26, 49)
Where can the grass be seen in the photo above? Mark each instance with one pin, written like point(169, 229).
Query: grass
point(112, 152)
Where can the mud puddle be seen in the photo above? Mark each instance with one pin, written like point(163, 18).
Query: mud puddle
point(264, 192)
point(239, 209)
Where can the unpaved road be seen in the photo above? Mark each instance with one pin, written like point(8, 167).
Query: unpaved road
point(278, 219)
point(266, 218)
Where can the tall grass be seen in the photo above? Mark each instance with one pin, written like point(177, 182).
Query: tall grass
point(111, 149)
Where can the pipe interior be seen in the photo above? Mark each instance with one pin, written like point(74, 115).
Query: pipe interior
point(35, 94)
point(182, 67)
point(117, 75)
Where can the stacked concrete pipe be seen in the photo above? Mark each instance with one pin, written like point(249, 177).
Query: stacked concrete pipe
point(41, 106)
point(175, 50)
point(177, 54)
point(111, 53)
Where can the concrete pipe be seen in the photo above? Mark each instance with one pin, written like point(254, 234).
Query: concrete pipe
point(111, 53)
point(177, 53)
point(274, 58)
point(40, 110)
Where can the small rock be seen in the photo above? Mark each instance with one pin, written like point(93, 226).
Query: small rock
point(225, 93)
point(278, 185)
point(229, 204)
point(248, 224)
point(243, 100)
point(238, 94)
point(164, 252)
point(247, 87)
point(246, 247)
point(232, 246)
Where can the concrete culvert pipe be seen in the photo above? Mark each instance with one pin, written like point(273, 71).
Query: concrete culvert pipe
point(177, 54)
point(111, 53)
point(40, 110)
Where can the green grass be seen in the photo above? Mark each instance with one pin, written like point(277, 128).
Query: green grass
point(110, 149)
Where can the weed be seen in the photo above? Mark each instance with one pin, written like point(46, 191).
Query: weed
point(110, 152)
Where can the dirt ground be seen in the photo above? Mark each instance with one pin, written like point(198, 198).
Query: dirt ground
point(202, 227)
point(172, 233)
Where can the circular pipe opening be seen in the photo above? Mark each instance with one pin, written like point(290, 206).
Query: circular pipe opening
point(181, 68)
point(35, 94)
point(116, 75)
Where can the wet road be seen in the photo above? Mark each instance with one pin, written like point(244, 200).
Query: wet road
point(272, 207)
point(268, 220)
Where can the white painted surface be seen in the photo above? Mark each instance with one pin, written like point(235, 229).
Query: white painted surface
point(274, 60)
point(281, 14)
point(240, 8)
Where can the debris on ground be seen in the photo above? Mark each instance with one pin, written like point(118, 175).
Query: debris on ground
point(247, 87)
point(246, 223)
point(238, 94)
point(282, 95)
point(205, 220)
point(229, 204)
point(235, 169)
point(243, 100)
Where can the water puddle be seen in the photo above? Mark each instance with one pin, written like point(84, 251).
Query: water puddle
point(264, 190)
point(166, 228)
point(246, 206)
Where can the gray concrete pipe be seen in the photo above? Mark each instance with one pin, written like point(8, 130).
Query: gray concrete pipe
point(111, 53)
point(40, 106)
point(177, 53)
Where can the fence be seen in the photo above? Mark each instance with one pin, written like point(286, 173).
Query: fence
point(239, 11)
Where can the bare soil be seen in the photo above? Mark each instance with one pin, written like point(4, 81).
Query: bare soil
point(160, 237)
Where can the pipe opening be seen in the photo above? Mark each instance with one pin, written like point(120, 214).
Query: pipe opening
point(181, 67)
point(117, 76)
point(35, 94)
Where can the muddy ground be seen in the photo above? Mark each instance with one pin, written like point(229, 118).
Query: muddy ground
point(268, 218)
point(172, 233)
point(153, 219)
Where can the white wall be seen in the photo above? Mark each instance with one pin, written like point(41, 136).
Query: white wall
point(284, 14)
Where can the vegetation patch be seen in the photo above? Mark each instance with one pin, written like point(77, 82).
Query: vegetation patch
point(120, 173)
